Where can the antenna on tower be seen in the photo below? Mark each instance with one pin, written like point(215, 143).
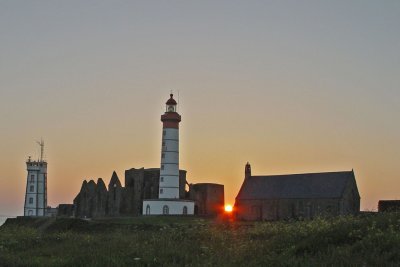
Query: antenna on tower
point(41, 144)
point(177, 108)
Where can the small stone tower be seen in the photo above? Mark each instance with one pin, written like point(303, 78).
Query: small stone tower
point(36, 186)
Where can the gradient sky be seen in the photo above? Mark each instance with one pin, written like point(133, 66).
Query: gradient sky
point(290, 86)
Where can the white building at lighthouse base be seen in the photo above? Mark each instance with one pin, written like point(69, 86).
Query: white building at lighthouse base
point(168, 207)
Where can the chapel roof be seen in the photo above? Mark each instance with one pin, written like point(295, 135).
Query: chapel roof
point(291, 186)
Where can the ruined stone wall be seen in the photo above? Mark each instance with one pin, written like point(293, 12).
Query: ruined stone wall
point(84, 202)
point(208, 197)
point(95, 200)
point(144, 184)
point(65, 210)
point(115, 197)
point(140, 184)
point(100, 199)
point(182, 184)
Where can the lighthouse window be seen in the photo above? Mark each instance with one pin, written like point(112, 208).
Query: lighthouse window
point(31, 188)
point(32, 178)
point(31, 200)
point(165, 210)
point(171, 108)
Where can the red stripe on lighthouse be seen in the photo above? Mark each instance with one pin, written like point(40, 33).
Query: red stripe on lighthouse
point(171, 120)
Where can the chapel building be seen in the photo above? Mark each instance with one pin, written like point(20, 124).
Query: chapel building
point(291, 196)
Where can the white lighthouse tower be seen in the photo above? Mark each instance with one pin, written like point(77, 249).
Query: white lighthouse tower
point(168, 202)
point(36, 186)
point(169, 170)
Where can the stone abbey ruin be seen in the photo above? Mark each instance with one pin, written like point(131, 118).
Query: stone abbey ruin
point(98, 200)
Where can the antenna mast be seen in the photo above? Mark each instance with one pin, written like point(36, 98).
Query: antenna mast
point(41, 144)
point(178, 102)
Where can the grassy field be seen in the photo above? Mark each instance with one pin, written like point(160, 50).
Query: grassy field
point(365, 240)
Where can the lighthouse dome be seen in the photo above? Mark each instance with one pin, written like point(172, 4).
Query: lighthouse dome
point(171, 101)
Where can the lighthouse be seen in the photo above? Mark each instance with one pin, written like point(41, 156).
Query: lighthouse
point(36, 186)
point(169, 169)
point(168, 202)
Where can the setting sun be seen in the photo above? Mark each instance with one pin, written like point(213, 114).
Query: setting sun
point(228, 208)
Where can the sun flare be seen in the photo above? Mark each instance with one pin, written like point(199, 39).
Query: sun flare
point(228, 208)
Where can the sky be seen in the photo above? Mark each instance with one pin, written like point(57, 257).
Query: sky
point(290, 86)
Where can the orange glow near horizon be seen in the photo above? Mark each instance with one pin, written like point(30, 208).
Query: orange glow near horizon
point(282, 109)
point(228, 208)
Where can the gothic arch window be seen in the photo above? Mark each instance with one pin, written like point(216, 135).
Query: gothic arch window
point(185, 210)
point(165, 210)
point(148, 210)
